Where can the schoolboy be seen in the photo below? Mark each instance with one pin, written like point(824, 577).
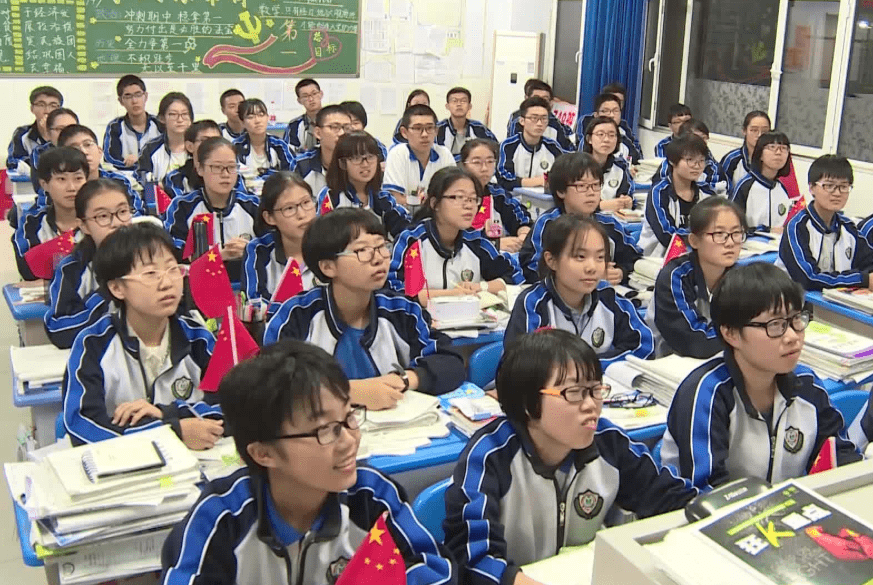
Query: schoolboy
point(555, 129)
point(301, 506)
point(575, 183)
point(753, 411)
point(140, 367)
point(126, 135)
point(410, 166)
point(358, 115)
point(524, 158)
point(230, 101)
point(544, 476)
point(331, 122)
point(457, 129)
point(676, 115)
point(619, 90)
point(300, 134)
point(821, 247)
point(61, 173)
point(56, 121)
point(43, 100)
point(382, 339)
point(609, 105)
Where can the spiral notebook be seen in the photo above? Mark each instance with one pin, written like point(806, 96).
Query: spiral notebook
point(103, 460)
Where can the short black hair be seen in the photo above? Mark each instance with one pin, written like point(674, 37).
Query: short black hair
point(462, 90)
point(229, 93)
point(70, 131)
point(351, 144)
point(677, 110)
point(756, 114)
point(289, 376)
point(589, 131)
point(417, 110)
point(61, 159)
point(564, 232)
point(46, 90)
point(199, 126)
point(532, 85)
point(475, 143)
point(55, 114)
point(210, 145)
point(693, 125)
point(274, 186)
point(569, 168)
point(128, 80)
point(171, 98)
point(616, 87)
point(329, 111)
point(704, 212)
point(605, 97)
point(831, 166)
point(764, 141)
point(356, 110)
point(744, 292)
point(529, 363)
point(123, 247)
point(533, 102)
point(332, 233)
point(251, 106)
point(685, 145)
point(303, 83)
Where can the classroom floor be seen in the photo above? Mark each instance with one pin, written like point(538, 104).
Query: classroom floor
point(12, 569)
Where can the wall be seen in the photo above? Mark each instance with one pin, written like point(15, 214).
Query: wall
point(432, 44)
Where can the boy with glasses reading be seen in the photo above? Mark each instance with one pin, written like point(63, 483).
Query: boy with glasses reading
point(821, 247)
point(125, 136)
point(140, 367)
point(43, 100)
point(300, 136)
point(331, 123)
point(457, 129)
point(545, 475)
point(526, 157)
point(753, 411)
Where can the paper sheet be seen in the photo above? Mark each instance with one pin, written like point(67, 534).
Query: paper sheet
point(474, 38)
point(400, 9)
point(404, 68)
point(442, 13)
point(404, 37)
point(389, 101)
point(378, 70)
point(376, 38)
point(375, 8)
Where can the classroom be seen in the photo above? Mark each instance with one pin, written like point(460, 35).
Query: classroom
point(536, 292)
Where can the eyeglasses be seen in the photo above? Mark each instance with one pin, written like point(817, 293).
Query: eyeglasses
point(86, 145)
point(367, 253)
point(462, 200)
point(222, 169)
point(482, 163)
point(833, 188)
point(327, 434)
point(635, 399)
point(722, 237)
point(129, 97)
point(695, 162)
point(255, 115)
point(776, 148)
point(47, 105)
point(309, 96)
point(576, 394)
point(459, 101)
point(337, 128)
point(291, 210)
point(603, 135)
point(609, 111)
point(424, 130)
point(178, 115)
point(585, 187)
point(154, 277)
point(104, 219)
point(776, 328)
point(58, 129)
point(360, 159)
point(537, 119)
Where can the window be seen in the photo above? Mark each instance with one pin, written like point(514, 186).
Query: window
point(856, 136)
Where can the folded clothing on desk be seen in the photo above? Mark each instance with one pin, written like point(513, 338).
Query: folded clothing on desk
point(401, 430)
point(37, 366)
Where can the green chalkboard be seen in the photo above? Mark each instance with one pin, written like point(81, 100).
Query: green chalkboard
point(227, 37)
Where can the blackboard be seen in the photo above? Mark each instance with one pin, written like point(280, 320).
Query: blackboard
point(227, 37)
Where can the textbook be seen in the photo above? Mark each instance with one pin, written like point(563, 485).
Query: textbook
point(401, 430)
point(660, 377)
point(860, 299)
point(37, 367)
point(836, 353)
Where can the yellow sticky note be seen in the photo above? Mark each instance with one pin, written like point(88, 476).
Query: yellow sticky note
point(165, 482)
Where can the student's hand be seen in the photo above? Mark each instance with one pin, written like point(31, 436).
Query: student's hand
point(522, 233)
point(469, 288)
point(379, 393)
point(511, 244)
point(627, 202)
point(130, 160)
point(200, 434)
point(612, 204)
point(130, 413)
point(614, 275)
point(777, 230)
point(633, 171)
point(233, 249)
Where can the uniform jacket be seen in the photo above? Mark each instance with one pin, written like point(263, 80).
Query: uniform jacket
point(120, 140)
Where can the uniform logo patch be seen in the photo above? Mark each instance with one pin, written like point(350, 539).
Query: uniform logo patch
point(613, 183)
point(183, 388)
point(467, 275)
point(597, 337)
point(782, 209)
point(793, 440)
point(849, 253)
point(588, 504)
point(544, 164)
point(335, 569)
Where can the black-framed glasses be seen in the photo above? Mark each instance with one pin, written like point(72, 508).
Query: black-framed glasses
point(359, 159)
point(832, 188)
point(222, 169)
point(777, 327)
point(463, 199)
point(367, 253)
point(423, 130)
point(291, 210)
point(327, 434)
point(722, 237)
point(104, 219)
point(635, 399)
point(576, 394)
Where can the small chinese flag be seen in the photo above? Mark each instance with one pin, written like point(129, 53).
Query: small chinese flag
point(189, 241)
point(233, 345)
point(43, 259)
point(377, 560)
point(290, 283)
point(483, 215)
point(413, 271)
point(790, 181)
point(799, 205)
point(676, 248)
point(210, 285)
point(827, 457)
point(162, 200)
point(326, 205)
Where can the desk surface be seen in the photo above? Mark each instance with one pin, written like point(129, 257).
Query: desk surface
point(439, 452)
point(22, 311)
point(17, 177)
point(816, 298)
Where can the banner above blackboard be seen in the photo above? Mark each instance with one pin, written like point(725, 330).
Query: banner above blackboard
point(227, 37)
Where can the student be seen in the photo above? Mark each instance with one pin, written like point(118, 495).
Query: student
point(140, 368)
point(56, 121)
point(167, 153)
point(609, 105)
point(415, 98)
point(822, 248)
point(185, 179)
point(301, 506)
point(234, 211)
point(861, 430)
point(457, 129)
point(728, 411)
point(479, 158)
point(679, 313)
point(671, 200)
point(356, 181)
point(126, 135)
point(709, 179)
point(233, 128)
point(300, 135)
point(456, 259)
point(555, 130)
point(330, 124)
point(43, 101)
point(544, 476)
point(286, 210)
point(61, 174)
point(257, 150)
point(737, 163)
point(572, 297)
point(575, 183)
point(526, 157)
point(677, 114)
point(102, 206)
point(83, 139)
point(358, 116)
point(601, 142)
point(760, 193)
point(382, 340)
point(409, 168)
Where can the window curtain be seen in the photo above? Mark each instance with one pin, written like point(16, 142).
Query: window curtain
point(612, 50)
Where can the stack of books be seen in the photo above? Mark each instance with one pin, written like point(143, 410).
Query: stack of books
point(37, 368)
point(860, 299)
point(645, 273)
point(401, 430)
point(836, 353)
point(660, 377)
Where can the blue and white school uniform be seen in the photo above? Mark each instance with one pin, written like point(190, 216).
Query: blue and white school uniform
point(155, 159)
point(861, 429)
point(34, 228)
point(865, 228)
point(617, 180)
point(556, 130)
point(661, 147)
point(278, 156)
point(734, 166)
point(765, 202)
point(228, 134)
point(453, 140)
point(310, 166)
point(235, 220)
point(394, 216)
point(121, 139)
point(264, 262)
point(666, 215)
point(136, 203)
point(24, 140)
point(37, 151)
point(185, 179)
point(708, 179)
point(405, 175)
point(629, 148)
point(519, 160)
point(299, 135)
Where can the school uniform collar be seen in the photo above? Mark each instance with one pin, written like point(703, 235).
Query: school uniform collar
point(675, 195)
point(180, 346)
point(837, 221)
point(577, 458)
point(530, 148)
point(352, 196)
point(787, 384)
point(34, 134)
point(699, 279)
point(337, 327)
point(451, 126)
point(231, 201)
point(744, 151)
point(432, 234)
point(126, 121)
point(588, 304)
point(432, 157)
point(610, 160)
point(762, 179)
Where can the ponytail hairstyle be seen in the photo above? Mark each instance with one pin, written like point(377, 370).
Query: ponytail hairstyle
point(441, 182)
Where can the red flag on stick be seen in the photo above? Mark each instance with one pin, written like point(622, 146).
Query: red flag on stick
point(413, 271)
point(233, 345)
point(676, 248)
point(827, 457)
point(326, 205)
point(43, 259)
point(790, 181)
point(290, 283)
point(799, 205)
point(483, 215)
point(377, 560)
point(189, 241)
point(162, 200)
point(210, 285)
